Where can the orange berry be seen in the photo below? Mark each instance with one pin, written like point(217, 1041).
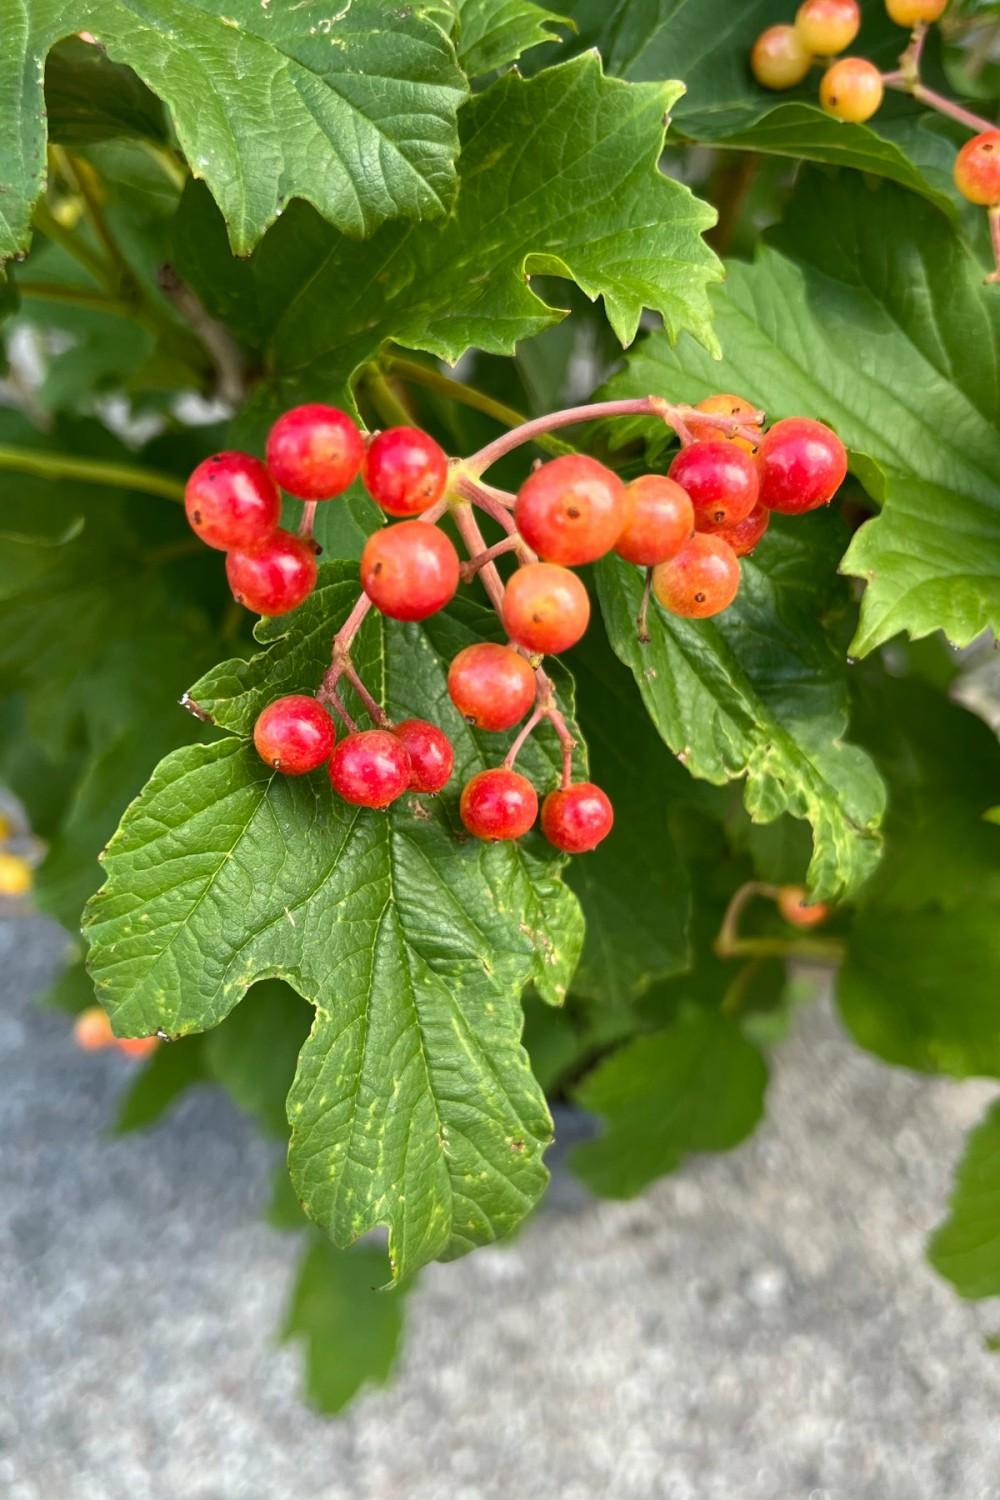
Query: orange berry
point(851, 90)
point(138, 1046)
point(794, 907)
point(92, 1029)
point(826, 27)
point(910, 12)
point(778, 59)
point(977, 169)
point(727, 406)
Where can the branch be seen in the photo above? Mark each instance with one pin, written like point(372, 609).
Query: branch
point(214, 337)
point(91, 471)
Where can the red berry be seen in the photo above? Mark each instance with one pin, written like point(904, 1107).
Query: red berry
point(545, 608)
point(492, 686)
point(701, 580)
point(826, 27)
point(778, 59)
point(744, 536)
point(794, 907)
point(721, 479)
point(231, 501)
point(498, 804)
point(409, 571)
point(852, 89)
point(276, 576)
point(576, 818)
point(314, 451)
point(802, 465)
point(294, 734)
point(659, 519)
point(431, 753)
point(571, 510)
point(977, 169)
point(405, 471)
point(371, 768)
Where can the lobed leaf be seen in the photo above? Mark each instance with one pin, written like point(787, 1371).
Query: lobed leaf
point(413, 1105)
point(759, 692)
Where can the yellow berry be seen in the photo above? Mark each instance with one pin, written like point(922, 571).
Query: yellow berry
point(910, 12)
point(826, 27)
point(15, 875)
point(851, 89)
point(778, 59)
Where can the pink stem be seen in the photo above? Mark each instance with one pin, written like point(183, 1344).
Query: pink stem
point(327, 693)
point(345, 635)
point(308, 520)
point(531, 723)
point(642, 619)
point(946, 107)
point(373, 709)
point(475, 544)
point(994, 218)
point(469, 569)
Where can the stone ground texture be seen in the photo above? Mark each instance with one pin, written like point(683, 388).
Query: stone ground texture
point(761, 1326)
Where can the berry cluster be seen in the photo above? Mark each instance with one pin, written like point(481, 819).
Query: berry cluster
point(687, 529)
point(852, 88)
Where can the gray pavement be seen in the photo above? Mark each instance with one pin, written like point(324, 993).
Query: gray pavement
point(760, 1326)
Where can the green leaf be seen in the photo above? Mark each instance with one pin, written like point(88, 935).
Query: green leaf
point(633, 888)
point(268, 102)
point(170, 1072)
point(351, 1331)
point(942, 767)
point(919, 988)
point(698, 1085)
point(759, 692)
point(254, 1052)
point(825, 323)
point(558, 176)
point(491, 33)
point(708, 43)
point(966, 1247)
point(90, 98)
point(413, 1105)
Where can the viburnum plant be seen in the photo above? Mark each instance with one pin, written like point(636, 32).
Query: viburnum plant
point(557, 723)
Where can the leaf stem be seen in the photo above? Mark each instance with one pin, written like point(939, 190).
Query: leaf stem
point(47, 224)
point(994, 220)
point(729, 944)
point(387, 404)
point(78, 296)
point(642, 618)
point(90, 471)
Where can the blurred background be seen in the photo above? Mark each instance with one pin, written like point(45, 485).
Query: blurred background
point(759, 1325)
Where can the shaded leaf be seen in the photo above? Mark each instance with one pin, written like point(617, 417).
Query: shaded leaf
point(966, 1247)
point(170, 1072)
point(698, 1085)
point(254, 1052)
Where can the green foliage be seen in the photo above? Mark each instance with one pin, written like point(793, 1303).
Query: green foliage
point(966, 1247)
point(487, 181)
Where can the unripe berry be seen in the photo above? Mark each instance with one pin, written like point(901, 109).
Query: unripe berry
point(778, 59)
point(977, 169)
point(702, 580)
point(571, 510)
point(294, 735)
point(826, 27)
point(727, 406)
point(431, 753)
point(492, 686)
point(314, 451)
point(232, 501)
point(92, 1029)
point(275, 577)
point(410, 570)
point(371, 768)
point(744, 536)
point(546, 608)
point(721, 480)
point(576, 818)
point(851, 89)
point(498, 804)
point(794, 907)
point(405, 471)
point(15, 875)
point(659, 519)
point(910, 12)
point(802, 465)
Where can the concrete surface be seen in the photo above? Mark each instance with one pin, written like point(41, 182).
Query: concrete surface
point(758, 1327)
